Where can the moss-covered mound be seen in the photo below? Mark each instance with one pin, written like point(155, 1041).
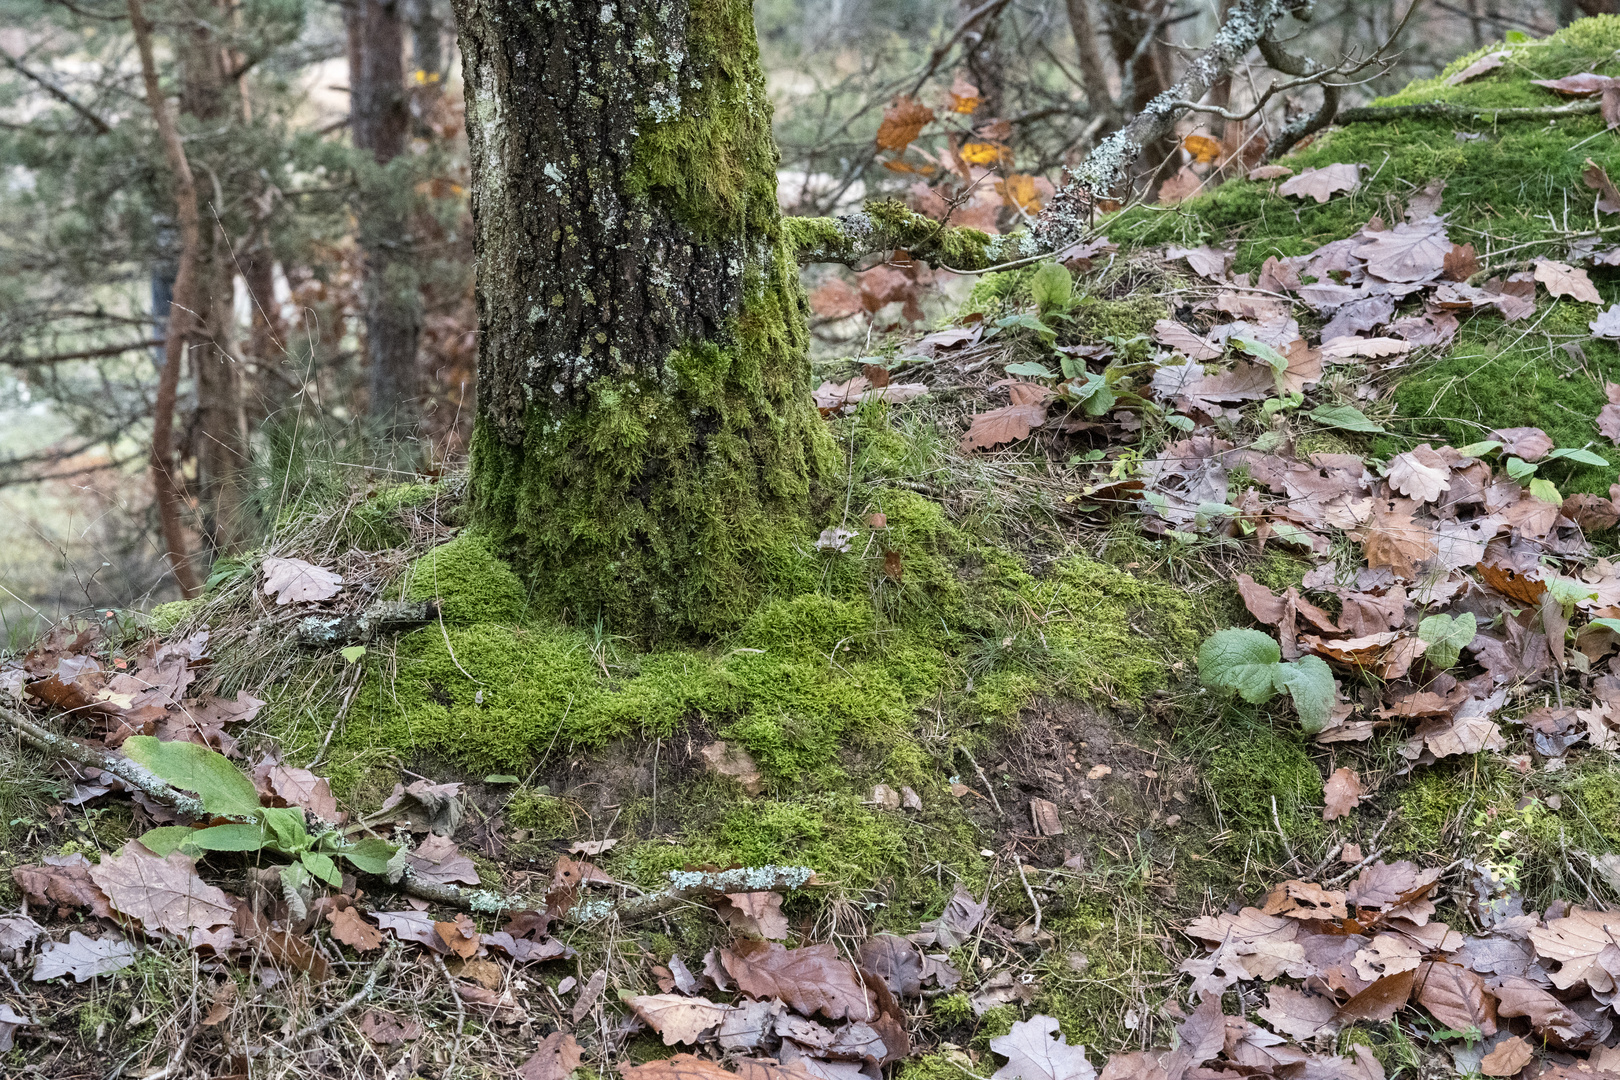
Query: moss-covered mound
point(1513, 189)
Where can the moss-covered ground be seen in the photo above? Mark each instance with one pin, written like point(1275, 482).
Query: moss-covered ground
point(974, 642)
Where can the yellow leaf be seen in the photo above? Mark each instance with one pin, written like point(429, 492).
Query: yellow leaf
point(1203, 149)
point(984, 153)
point(1019, 191)
point(964, 95)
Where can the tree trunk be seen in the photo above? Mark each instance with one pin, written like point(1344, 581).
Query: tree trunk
point(1134, 29)
point(645, 445)
point(219, 436)
point(379, 120)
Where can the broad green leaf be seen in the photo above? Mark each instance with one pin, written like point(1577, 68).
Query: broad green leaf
point(371, 854)
point(234, 837)
point(1051, 286)
point(1585, 457)
point(1072, 368)
point(1242, 660)
point(1263, 352)
point(1516, 37)
point(1518, 468)
point(1607, 624)
point(1099, 399)
point(1446, 637)
point(502, 778)
point(288, 826)
point(1309, 681)
point(1545, 491)
point(1179, 422)
point(222, 787)
point(1568, 591)
point(166, 838)
point(353, 653)
point(321, 866)
point(294, 876)
point(1344, 417)
point(1030, 369)
point(1479, 449)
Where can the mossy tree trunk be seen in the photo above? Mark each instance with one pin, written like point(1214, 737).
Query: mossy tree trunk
point(645, 448)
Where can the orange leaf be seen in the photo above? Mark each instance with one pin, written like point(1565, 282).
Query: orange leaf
point(1004, 425)
point(902, 122)
point(1018, 191)
point(1203, 149)
point(964, 95)
point(986, 153)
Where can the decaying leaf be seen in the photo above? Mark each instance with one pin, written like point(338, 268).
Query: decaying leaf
point(385, 1029)
point(902, 122)
point(997, 427)
point(679, 1019)
point(349, 928)
point(731, 760)
point(813, 979)
point(294, 581)
point(758, 914)
point(1562, 279)
point(1509, 1057)
point(83, 957)
point(560, 1054)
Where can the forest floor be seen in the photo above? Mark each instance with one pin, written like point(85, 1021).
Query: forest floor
point(1211, 664)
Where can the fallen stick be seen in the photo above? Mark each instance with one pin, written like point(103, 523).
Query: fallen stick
point(383, 617)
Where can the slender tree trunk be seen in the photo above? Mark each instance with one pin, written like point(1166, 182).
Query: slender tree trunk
point(645, 445)
point(166, 490)
point(1144, 63)
point(1084, 29)
point(379, 119)
point(985, 64)
point(219, 441)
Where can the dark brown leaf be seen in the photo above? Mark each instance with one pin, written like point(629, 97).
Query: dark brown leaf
point(894, 960)
point(1456, 997)
point(813, 979)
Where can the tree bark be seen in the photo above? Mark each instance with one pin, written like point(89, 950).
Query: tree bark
point(1134, 29)
point(379, 120)
point(1084, 29)
point(645, 444)
point(166, 491)
point(219, 437)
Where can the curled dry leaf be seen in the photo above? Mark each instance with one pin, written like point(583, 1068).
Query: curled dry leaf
point(756, 913)
point(294, 581)
point(459, 936)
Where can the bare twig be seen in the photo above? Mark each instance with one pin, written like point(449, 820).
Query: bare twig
point(983, 779)
point(1019, 862)
point(101, 126)
point(461, 1017)
point(344, 1009)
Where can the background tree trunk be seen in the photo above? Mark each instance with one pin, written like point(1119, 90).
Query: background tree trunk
point(1135, 29)
point(645, 444)
point(379, 120)
point(219, 434)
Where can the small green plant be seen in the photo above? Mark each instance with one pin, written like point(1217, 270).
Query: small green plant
point(1446, 637)
point(226, 791)
point(1250, 664)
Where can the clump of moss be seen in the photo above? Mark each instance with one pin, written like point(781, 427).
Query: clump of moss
point(375, 525)
point(165, 617)
point(471, 583)
point(1262, 777)
point(543, 814)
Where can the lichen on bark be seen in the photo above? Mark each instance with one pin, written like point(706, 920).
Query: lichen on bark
point(646, 449)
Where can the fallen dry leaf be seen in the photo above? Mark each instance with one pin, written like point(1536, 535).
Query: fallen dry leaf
point(1508, 1059)
point(679, 1019)
point(1342, 792)
point(558, 1056)
point(733, 761)
point(439, 860)
point(386, 1029)
point(1586, 84)
point(417, 926)
point(349, 928)
point(1036, 1050)
point(63, 883)
point(294, 581)
point(1487, 63)
point(757, 913)
point(1456, 997)
point(1582, 945)
point(902, 122)
point(1562, 279)
point(161, 893)
point(812, 979)
point(997, 427)
point(894, 960)
point(459, 936)
point(1321, 184)
point(82, 957)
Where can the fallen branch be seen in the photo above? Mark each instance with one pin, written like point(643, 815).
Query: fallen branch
point(136, 776)
point(385, 616)
point(341, 1011)
point(1369, 114)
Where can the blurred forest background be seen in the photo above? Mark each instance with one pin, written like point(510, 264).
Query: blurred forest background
point(331, 343)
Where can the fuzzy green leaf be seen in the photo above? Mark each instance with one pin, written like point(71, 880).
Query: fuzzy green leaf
point(1344, 417)
point(1241, 660)
point(1585, 457)
point(1518, 468)
point(1051, 286)
point(1568, 591)
point(353, 653)
point(1263, 352)
point(233, 837)
point(288, 826)
point(1479, 449)
point(222, 787)
point(1446, 637)
point(1309, 681)
point(371, 855)
point(1545, 491)
point(321, 866)
point(166, 838)
point(1030, 369)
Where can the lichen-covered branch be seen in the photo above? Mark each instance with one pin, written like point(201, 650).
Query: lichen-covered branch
point(362, 626)
point(887, 225)
point(1309, 124)
point(1067, 216)
point(694, 884)
point(126, 770)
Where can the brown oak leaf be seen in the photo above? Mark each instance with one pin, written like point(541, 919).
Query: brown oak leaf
point(1342, 794)
point(811, 979)
point(349, 928)
point(161, 893)
point(1562, 279)
point(294, 581)
point(1321, 184)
